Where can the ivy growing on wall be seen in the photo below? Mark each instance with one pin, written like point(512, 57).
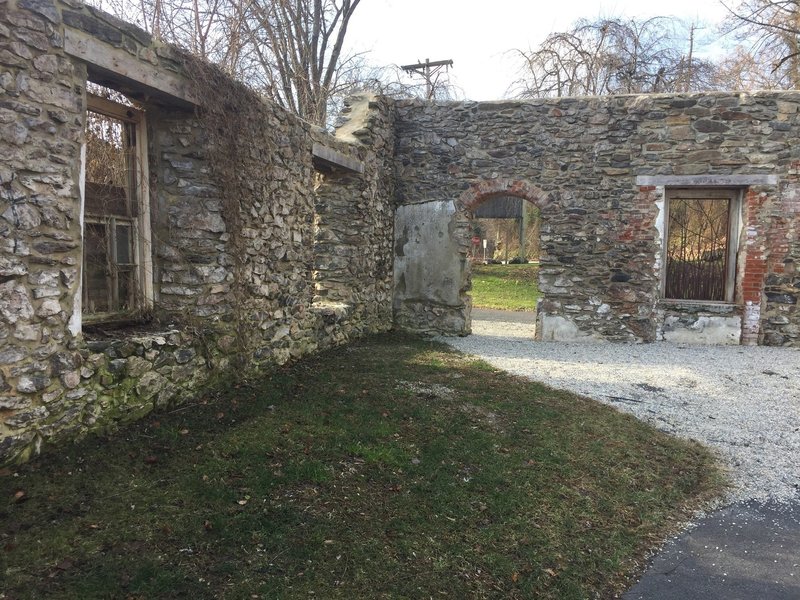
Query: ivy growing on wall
point(239, 152)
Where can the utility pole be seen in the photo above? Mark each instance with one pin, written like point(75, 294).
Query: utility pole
point(687, 82)
point(523, 231)
point(430, 73)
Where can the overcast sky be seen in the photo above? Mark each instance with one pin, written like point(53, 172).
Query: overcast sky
point(477, 35)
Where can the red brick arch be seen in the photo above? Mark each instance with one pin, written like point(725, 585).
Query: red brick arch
point(489, 188)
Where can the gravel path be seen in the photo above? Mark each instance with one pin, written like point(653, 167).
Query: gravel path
point(742, 401)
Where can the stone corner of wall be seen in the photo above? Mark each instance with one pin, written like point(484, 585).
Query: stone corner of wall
point(359, 117)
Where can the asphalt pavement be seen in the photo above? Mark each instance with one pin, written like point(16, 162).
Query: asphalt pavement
point(746, 551)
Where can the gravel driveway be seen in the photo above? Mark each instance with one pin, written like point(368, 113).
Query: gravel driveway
point(742, 401)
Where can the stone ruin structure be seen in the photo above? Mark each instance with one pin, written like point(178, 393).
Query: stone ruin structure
point(604, 172)
point(157, 231)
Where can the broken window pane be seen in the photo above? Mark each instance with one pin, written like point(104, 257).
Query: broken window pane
point(111, 202)
point(96, 282)
point(126, 288)
point(124, 245)
point(697, 248)
point(109, 161)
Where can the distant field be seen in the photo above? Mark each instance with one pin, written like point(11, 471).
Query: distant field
point(505, 287)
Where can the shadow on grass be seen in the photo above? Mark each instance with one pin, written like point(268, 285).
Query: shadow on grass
point(394, 467)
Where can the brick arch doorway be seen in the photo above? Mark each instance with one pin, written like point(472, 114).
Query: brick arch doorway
point(501, 193)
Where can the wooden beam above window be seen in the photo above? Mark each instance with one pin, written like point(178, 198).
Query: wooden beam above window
point(108, 63)
point(328, 158)
point(707, 180)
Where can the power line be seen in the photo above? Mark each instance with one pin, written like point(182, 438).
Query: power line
point(429, 72)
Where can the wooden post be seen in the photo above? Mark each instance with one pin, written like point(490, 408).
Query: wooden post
point(523, 228)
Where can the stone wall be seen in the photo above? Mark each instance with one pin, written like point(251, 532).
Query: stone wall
point(354, 215)
point(233, 228)
point(41, 116)
point(598, 169)
point(272, 239)
point(780, 315)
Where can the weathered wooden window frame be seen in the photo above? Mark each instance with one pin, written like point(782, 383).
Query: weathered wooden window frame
point(734, 196)
point(140, 224)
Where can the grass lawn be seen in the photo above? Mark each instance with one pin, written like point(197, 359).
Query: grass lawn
point(505, 287)
point(393, 468)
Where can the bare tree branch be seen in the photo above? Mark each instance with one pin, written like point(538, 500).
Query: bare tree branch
point(769, 30)
point(293, 50)
point(613, 56)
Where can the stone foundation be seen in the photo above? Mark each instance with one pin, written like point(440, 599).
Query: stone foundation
point(262, 239)
point(696, 323)
point(244, 282)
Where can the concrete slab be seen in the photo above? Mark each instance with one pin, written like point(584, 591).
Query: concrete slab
point(504, 324)
point(745, 551)
point(508, 316)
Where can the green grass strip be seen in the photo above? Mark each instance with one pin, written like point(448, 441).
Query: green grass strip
point(392, 468)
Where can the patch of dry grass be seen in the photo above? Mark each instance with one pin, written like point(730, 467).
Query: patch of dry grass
point(413, 472)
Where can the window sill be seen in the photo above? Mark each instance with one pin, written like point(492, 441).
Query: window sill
point(121, 326)
point(331, 312)
point(712, 306)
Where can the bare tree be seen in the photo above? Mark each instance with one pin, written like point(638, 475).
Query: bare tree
point(769, 31)
point(614, 56)
point(299, 46)
point(292, 50)
point(742, 70)
point(211, 29)
point(393, 81)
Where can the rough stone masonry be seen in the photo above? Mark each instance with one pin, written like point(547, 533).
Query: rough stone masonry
point(599, 168)
point(308, 266)
point(285, 240)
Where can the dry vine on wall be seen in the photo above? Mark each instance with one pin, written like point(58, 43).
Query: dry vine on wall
point(231, 117)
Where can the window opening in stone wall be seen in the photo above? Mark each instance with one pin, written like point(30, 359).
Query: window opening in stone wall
point(700, 245)
point(504, 232)
point(510, 227)
point(116, 220)
point(107, 93)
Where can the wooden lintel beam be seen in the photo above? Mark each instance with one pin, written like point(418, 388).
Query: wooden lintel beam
point(739, 180)
point(114, 63)
point(330, 158)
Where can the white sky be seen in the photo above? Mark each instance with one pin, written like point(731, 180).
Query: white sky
point(476, 35)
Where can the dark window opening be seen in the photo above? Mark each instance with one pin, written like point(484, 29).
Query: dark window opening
point(700, 245)
point(113, 231)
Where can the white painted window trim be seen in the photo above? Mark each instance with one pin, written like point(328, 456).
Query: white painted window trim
point(76, 319)
point(142, 230)
point(735, 227)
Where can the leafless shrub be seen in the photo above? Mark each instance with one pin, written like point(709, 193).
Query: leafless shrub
point(769, 53)
point(614, 56)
